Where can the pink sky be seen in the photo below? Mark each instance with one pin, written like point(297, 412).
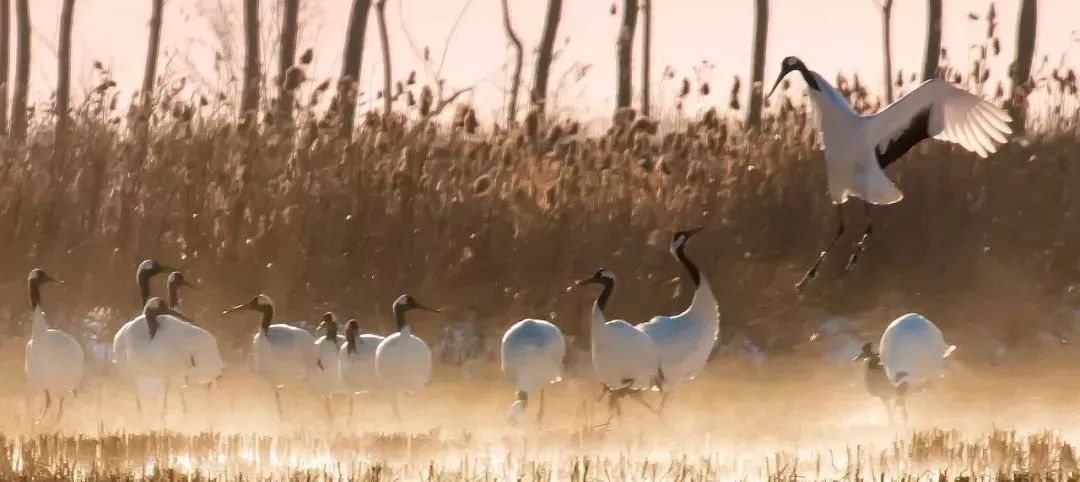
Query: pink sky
point(829, 35)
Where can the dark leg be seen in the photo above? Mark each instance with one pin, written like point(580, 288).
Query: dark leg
point(603, 391)
point(183, 402)
point(901, 400)
point(138, 401)
point(663, 399)
point(636, 395)
point(48, 402)
point(277, 398)
point(394, 407)
point(812, 272)
point(352, 399)
point(329, 411)
point(60, 408)
point(540, 414)
point(862, 241)
point(165, 402)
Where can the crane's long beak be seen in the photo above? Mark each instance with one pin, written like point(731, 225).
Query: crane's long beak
point(189, 284)
point(235, 309)
point(691, 232)
point(580, 283)
point(777, 83)
point(426, 308)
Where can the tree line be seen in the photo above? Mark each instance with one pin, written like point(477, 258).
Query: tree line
point(633, 15)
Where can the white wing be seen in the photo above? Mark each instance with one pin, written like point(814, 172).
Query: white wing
point(941, 110)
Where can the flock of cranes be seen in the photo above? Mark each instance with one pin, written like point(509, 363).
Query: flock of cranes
point(162, 345)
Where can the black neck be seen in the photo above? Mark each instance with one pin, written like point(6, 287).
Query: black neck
point(331, 332)
point(695, 275)
point(350, 341)
point(874, 361)
point(609, 286)
point(35, 294)
point(399, 317)
point(808, 77)
point(267, 317)
point(143, 279)
point(174, 295)
point(152, 323)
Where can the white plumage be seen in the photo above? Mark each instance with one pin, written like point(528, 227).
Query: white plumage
point(356, 362)
point(684, 341)
point(143, 274)
point(913, 353)
point(859, 147)
point(206, 362)
point(356, 359)
point(403, 360)
point(625, 360)
point(158, 346)
point(283, 354)
point(532, 358)
point(913, 350)
point(206, 357)
point(54, 359)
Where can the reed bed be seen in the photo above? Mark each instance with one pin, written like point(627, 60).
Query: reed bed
point(491, 222)
point(930, 455)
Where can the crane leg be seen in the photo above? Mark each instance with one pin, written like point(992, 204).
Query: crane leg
point(183, 402)
point(48, 402)
point(812, 272)
point(901, 401)
point(394, 407)
point(329, 411)
point(59, 408)
point(352, 400)
point(636, 396)
point(165, 402)
point(138, 402)
point(540, 413)
point(861, 246)
point(663, 400)
point(277, 399)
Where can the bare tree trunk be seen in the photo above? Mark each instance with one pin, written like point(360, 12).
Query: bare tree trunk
point(646, 54)
point(757, 69)
point(515, 82)
point(1021, 68)
point(350, 65)
point(146, 102)
point(886, 38)
point(22, 72)
point(290, 23)
point(933, 40)
point(63, 83)
point(249, 94)
point(384, 37)
point(544, 54)
point(5, 44)
point(624, 53)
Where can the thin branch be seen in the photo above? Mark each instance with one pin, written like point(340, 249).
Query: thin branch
point(450, 36)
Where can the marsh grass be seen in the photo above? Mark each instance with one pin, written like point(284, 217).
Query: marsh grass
point(491, 222)
point(931, 455)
